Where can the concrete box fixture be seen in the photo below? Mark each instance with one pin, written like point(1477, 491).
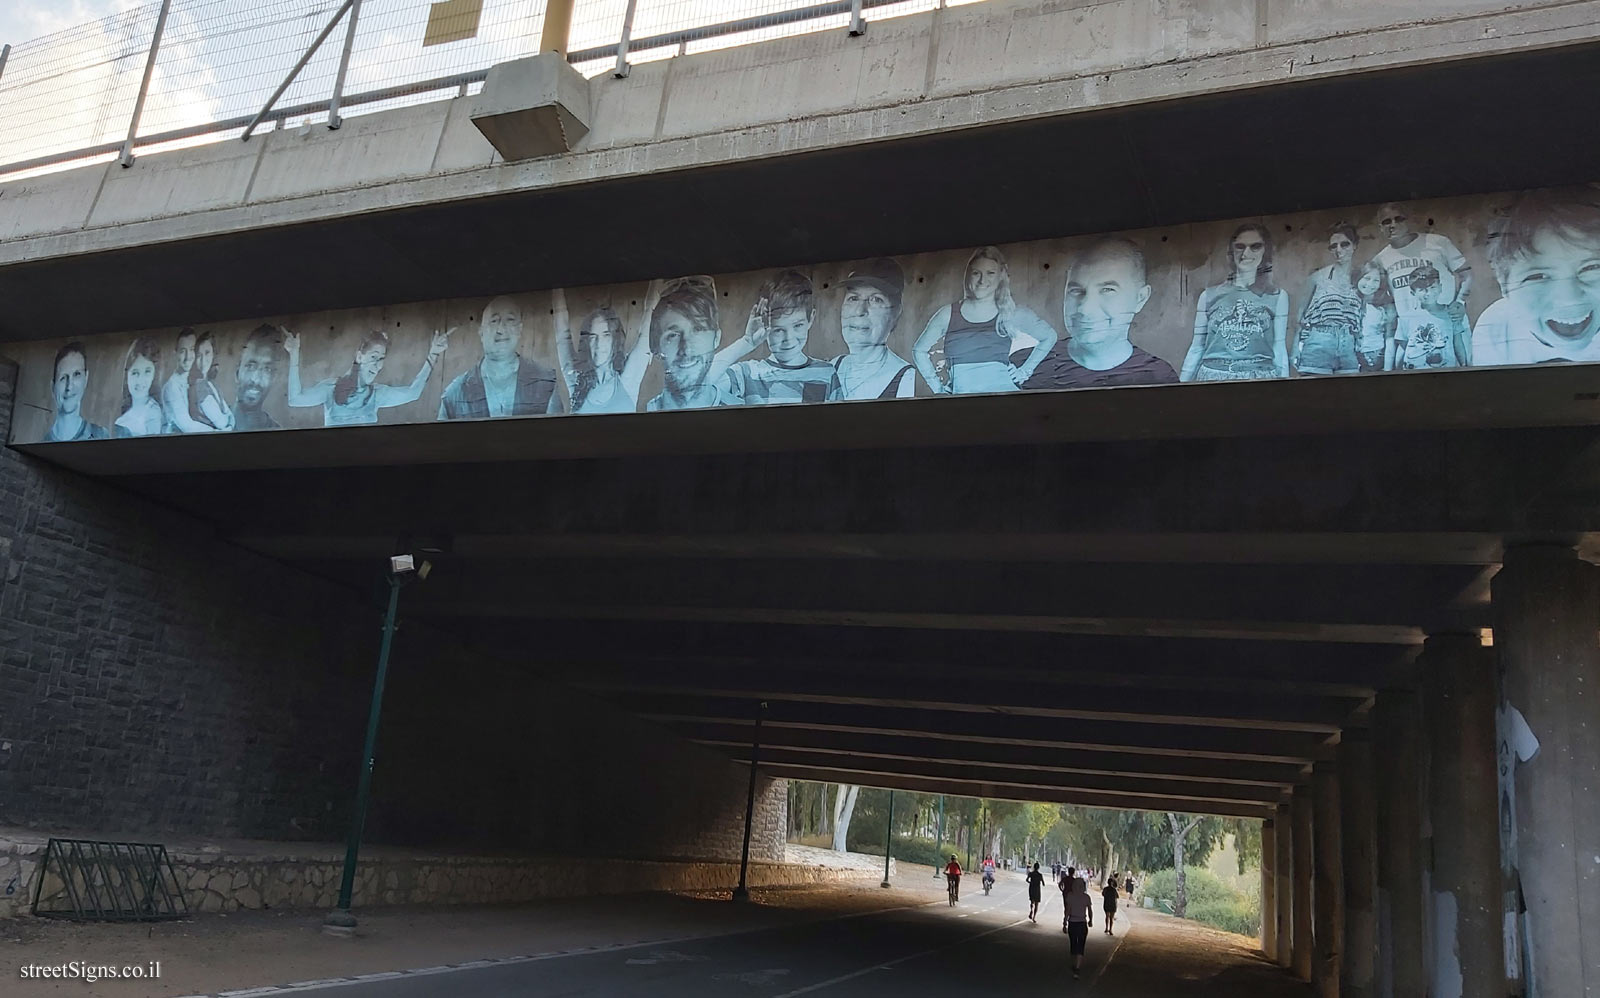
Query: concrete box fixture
point(538, 106)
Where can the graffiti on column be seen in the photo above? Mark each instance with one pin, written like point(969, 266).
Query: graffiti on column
point(1487, 281)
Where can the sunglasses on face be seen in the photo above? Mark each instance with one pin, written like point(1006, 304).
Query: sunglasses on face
point(1340, 244)
point(1391, 220)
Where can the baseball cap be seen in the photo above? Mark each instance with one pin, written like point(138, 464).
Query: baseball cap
point(883, 274)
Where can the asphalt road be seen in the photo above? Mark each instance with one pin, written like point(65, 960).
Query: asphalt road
point(982, 946)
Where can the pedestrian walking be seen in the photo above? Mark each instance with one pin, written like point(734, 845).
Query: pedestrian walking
point(1080, 915)
point(1068, 876)
point(1110, 896)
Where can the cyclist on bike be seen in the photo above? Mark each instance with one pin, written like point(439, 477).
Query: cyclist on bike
point(988, 872)
point(952, 876)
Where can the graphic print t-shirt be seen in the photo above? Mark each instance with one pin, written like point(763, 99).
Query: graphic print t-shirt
point(1425, 340)
point(766, 382)
point(1429, 253)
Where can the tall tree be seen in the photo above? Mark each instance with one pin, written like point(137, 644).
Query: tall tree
point(1206, 832)
point(844, 808)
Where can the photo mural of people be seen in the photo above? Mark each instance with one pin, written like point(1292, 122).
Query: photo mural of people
point(602, 375)
point(1546, 255)
point(175, 392)
point(684, 334)
point(782, 318)
point(69, 382)
point(1401, 290)
point(1375, 340)
point(253, 378)
point(205, 402)
point(978, 329)
point(872, 297)
point(356, 396)
point(1331, 313)
point(1241, 325)
point(503, 383)
point(1430, 280)
point(142, 415)
point(1107, 285)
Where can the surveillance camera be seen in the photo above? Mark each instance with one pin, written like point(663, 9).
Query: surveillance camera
point(401, 564)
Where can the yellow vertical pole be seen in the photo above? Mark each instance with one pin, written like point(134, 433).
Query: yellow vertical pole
point(557, 26)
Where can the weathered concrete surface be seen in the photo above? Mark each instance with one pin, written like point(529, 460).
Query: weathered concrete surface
point(1328, 900)
point(1269, 889)
point(978, 64)
point(1303, 816)
point(1399, 785)
point(1459, 703)
point(1283, 847)
point(1358, 840)
point(1546, 602)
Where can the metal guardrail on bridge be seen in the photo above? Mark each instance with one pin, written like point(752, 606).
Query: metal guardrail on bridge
point(170, 73)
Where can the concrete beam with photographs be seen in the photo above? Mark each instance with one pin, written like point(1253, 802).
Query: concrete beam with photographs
point(1019, 790)
point(893, 747)
point(1196, 741)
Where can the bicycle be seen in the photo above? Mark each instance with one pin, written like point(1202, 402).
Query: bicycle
point(954, 884)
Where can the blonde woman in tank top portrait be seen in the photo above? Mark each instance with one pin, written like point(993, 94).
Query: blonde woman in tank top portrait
point(978, 330)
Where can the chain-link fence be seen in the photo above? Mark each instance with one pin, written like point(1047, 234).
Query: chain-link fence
point(73, 97)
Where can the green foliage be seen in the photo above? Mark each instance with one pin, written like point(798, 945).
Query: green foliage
point(1211, 901)
point(909, 850)
point(1246, 842)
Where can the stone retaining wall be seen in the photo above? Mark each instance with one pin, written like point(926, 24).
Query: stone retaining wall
point(255, 876)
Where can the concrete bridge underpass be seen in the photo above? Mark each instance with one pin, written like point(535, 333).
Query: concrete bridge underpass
point(1361, 610)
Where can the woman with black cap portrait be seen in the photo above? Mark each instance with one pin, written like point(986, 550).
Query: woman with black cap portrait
point(873, 296)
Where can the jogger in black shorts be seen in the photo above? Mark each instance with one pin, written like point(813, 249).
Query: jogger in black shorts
point(1080, 915)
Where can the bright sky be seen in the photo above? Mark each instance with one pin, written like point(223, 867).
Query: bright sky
point(25, 20)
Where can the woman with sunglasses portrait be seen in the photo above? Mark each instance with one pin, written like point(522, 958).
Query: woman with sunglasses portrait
point(1241, 325)
point(1330, 318)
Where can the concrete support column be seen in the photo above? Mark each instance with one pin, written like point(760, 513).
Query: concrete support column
point(1459, 698)
point(1358, 833)
point(1328, 892)
point(1269, 890)
point(1546, 609)
point(1301, 810)
point(1283, 869)
point(1397, 750)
